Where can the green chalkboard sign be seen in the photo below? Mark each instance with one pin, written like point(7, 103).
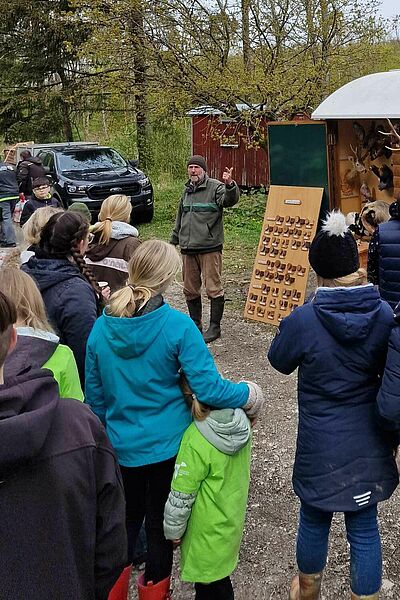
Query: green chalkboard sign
point(298, 156)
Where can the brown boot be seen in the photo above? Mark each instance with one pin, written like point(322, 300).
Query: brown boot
point(306, 587)
point(371, 597)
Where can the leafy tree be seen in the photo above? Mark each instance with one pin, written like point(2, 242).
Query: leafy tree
point(41, 77)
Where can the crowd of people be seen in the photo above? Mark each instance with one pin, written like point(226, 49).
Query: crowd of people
point(116, 421)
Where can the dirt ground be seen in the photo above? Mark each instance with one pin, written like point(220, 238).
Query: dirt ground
point(267, 557)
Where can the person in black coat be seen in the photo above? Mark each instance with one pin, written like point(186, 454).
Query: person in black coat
point(384, 257)
point(389, 394)
point(28, 169)
point(41, 196)
point(69, 291)
point(344, 458)
point(62, 502)
point(9, 195)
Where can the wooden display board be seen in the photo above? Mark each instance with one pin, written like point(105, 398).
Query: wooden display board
point(279, 280)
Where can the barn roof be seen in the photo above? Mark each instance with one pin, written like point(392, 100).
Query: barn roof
point(374, 96)
point(211, 110)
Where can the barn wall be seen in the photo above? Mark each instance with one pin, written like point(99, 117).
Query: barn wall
point(250, 165)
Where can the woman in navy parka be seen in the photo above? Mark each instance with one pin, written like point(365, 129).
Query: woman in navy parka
point(344, 460)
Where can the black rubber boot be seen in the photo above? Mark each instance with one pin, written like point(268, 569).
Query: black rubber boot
point(195, 311)
point(217, 310)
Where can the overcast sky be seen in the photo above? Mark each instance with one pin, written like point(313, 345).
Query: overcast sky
point(390, 7)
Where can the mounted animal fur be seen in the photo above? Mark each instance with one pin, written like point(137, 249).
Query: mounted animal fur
point(385, 176)
point(363, 224)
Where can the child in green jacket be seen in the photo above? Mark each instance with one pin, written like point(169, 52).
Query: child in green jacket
point(206, 507)
point(37, 345)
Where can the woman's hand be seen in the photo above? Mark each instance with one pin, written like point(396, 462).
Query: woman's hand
point(106, 292)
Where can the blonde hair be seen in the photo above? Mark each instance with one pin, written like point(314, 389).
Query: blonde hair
point(26, 296)
point(359, 277)
point(34, 225)
point(200, 411)
point(114, 208)
point(152, 268)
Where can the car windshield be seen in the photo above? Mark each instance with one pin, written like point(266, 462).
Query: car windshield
point(95, 159)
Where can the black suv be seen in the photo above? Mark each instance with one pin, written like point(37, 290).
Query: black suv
point(90, 173)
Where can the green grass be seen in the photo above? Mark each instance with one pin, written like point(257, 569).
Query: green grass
point(242, 225)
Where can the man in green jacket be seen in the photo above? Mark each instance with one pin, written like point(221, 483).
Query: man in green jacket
point(199, 231)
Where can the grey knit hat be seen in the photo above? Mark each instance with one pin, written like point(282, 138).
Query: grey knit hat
point(82, 209)
point(198, 160)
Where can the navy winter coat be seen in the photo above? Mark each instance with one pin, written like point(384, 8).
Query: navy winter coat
point(70, 302)
point(344, 460)
point(389, 394)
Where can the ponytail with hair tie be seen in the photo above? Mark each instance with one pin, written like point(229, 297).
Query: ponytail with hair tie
point(114, 208)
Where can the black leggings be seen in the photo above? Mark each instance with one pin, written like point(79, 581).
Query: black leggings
point(217, 590)
point(146, 492)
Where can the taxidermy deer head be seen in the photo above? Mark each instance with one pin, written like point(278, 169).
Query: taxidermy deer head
point(359, 159)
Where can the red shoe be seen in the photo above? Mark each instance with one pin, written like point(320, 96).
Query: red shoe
point(121, 587)
point(158, 591)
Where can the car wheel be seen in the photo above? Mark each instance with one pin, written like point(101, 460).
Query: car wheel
point(148, 215)
point(144, 216)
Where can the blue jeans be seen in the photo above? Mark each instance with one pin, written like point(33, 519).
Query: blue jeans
point(362, 535)
point(7, 224)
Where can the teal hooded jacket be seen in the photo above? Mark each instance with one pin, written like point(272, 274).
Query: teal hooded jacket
point(132, 382)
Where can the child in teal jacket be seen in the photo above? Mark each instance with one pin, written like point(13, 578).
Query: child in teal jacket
point(206, 507)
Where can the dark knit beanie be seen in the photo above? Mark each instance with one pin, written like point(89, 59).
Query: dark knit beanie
point(333, 251)
point(82, 209)
point(197, 160)
point(39, 181)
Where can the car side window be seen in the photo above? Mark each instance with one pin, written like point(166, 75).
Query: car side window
point(43, 157)
point(47, 159)
point(50, 162)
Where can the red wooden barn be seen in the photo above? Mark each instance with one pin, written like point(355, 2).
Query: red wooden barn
point(227, 142)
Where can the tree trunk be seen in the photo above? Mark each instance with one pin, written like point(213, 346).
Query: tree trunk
point(67, 125)
point(135, 24)
point(245, 8)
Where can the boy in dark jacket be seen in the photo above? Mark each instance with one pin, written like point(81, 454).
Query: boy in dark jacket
point(344, 460)
point(41, 196)
point(62, 503)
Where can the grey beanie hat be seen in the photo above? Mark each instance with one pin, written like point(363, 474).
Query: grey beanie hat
point(198, 160)
point(82, 209)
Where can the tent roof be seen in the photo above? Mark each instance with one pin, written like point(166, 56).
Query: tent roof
point(374, 96)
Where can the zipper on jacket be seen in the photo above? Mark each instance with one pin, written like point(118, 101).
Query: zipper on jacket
point(190, 222)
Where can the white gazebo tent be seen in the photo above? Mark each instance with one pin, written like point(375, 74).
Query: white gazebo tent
point(363, 104)
point(375, 96)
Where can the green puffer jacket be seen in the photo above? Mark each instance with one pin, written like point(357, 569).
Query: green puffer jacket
point(207, 503)
point(199, 224)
